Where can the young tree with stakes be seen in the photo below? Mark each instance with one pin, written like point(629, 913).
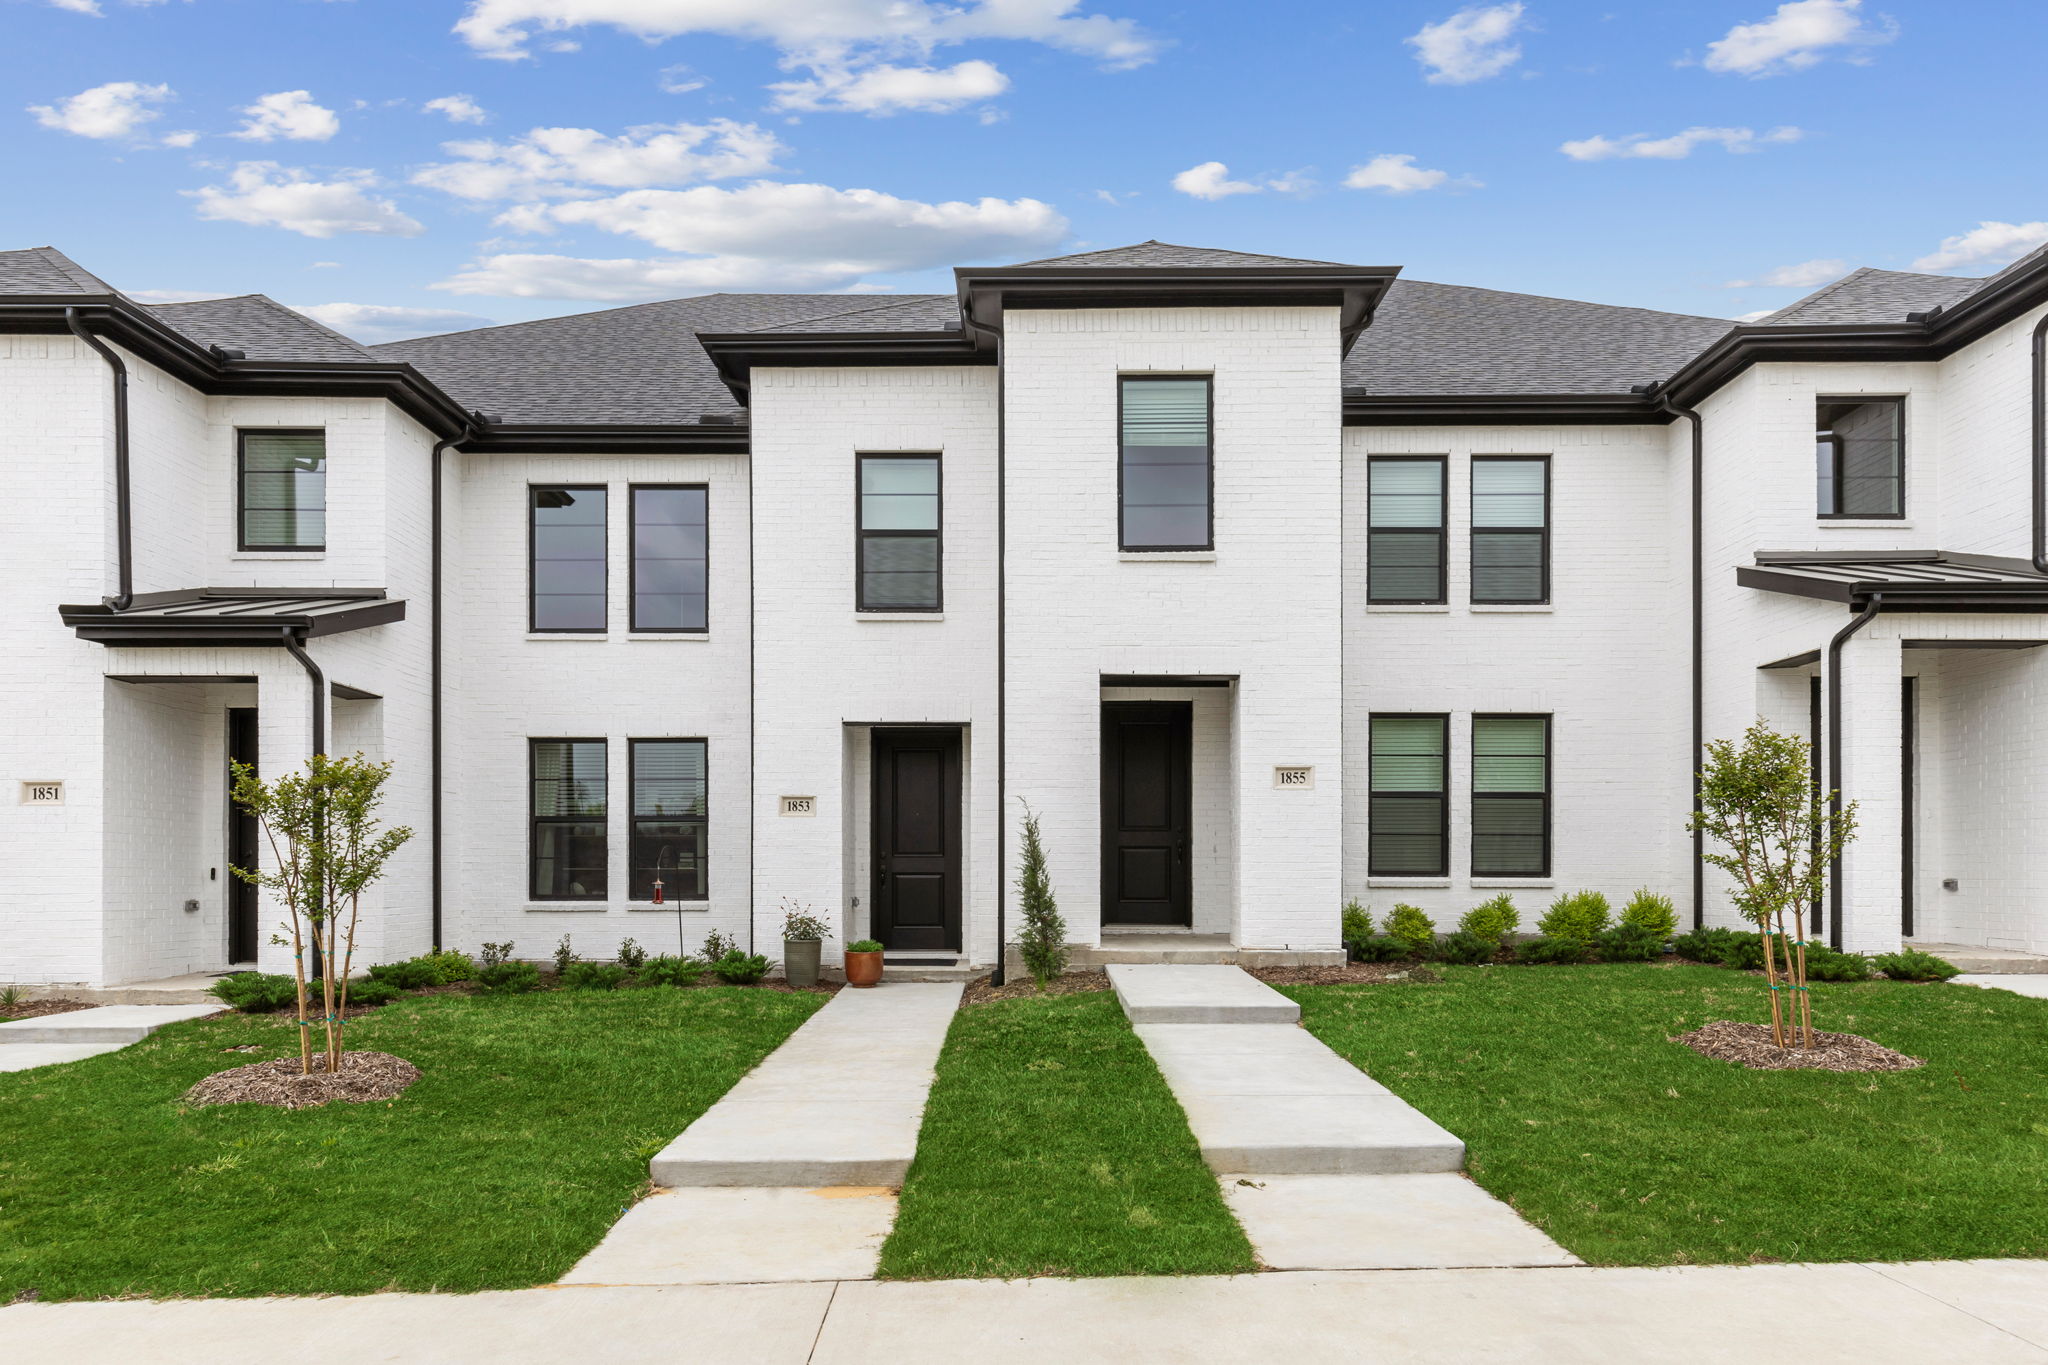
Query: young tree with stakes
point(327, 847)
point(1043, 944)
point(1758, 800)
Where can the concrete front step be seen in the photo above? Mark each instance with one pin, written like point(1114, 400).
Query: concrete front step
point(1189, 950)
point(1986, 961)
point(1197, 994)
point(189, 989)
point(116, 1024)
point(839, 1103)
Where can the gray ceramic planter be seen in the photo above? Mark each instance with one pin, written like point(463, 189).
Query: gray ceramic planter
point(800, 960)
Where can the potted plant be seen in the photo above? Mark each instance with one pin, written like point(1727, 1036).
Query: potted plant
point(863, 962)
point(803, 934)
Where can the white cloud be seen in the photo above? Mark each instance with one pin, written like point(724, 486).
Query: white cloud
point(1758, 316)
point(371, 323)
point(1471, 45)
point(1211, 180)
point(183, 138)
point(1988, 243)
point(886, 89)
point(680, 80)
point(116, 109)
point(458, 108)
point(265, 194)
point(1805, 275)
point(78, 6)
point(567, 162)
point(1799, 35)
point(1397, 173)
point(288, 114)
point(1676, 147)
point(759, 237)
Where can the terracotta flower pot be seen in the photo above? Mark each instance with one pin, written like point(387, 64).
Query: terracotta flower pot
point(800, 961)
point(863, 969)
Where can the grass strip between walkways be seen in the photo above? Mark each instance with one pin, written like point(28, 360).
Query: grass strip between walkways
point(1631, 1150)
point(1052, 1146)
point(528, 1132)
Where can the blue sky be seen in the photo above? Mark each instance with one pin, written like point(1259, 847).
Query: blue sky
point(612, 151)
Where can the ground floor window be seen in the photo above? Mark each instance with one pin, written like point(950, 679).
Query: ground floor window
point(668, 835)
point(568, 815)
point(1510, 796)
point(1408, 836)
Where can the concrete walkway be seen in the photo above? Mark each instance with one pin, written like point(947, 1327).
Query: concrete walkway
point(78, 1034)
point(1984, 1312)
point(2033, 984)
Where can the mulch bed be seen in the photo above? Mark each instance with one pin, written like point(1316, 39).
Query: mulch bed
point(980, 992)
point(1350, 973)
point(36, 1009)
point(364, 1077)
point(1750, 1045)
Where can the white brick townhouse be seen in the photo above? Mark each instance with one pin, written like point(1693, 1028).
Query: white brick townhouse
point(1264, 582)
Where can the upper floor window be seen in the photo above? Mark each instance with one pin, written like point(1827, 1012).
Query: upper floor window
point(670, 558)
point(898, 567)
point(282, 490)
point(1510, 528)
point(1405, 536)
point(568, 547)
point(1860, 457)
point(1164, 480)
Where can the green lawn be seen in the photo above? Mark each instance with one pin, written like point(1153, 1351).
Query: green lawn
point(1051, 1146)
point(528, 1133)
point(1633, 1151)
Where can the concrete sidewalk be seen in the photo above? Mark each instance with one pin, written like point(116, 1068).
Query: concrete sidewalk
point(1985, 1312)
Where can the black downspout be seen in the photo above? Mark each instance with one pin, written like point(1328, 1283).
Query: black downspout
point(434, 687)
point(1001, 973)
point(1834, 744)
point(295, 641)
point(2040, 444)
point(124, 529)
point(1699, 711)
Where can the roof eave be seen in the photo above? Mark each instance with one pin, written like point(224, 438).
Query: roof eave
point(735, 354)
point(1526, 409)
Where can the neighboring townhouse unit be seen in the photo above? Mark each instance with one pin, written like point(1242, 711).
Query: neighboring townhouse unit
point(1263, 582)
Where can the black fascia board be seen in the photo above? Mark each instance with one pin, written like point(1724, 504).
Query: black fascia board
point(1898, 595)
point(1489, 409)
point(736, 353)
point(145, 626)
point(609, 438)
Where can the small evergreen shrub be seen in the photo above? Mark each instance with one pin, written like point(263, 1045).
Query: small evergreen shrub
point(1577, 915)
point(372, 993)
point(413, 974)
point(1495, 918)
point(670, 970)
point(1910, 964)
point(594, 976)
point(1648, 910)
point(508, 978)
point(740, 969)
point(1826, 964)
point(864, 945)
point(1410, 925)
point(496, 953)
point(1700, 945)
point(1379, 948)
point(449, 966)
point(1548, 951)
point(632, 956)
point(1466, 947)
point(256, 992)
point(1627, 942)
point(1043, 942)
point(1356, 922)
point(565, 957)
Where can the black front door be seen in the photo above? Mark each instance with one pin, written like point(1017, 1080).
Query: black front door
point(242, 840)
point(916, 894)
point(1145, 812)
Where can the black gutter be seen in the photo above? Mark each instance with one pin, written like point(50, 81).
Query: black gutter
point(1515, 409)
point(2039, 356)
point(1699, 637)
point(1834, 743)
point(295, 641)
point(124, 515)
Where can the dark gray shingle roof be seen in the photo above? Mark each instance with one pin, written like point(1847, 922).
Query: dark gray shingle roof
point(259, 326)
point(1429, 339)
point(46, 270)
point(1167, 254)
point(905, 313)
point(1869, 295)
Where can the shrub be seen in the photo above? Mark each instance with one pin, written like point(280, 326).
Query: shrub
point(450, 966)
point(666, 969)
point(740, 969)
point(1910, 964)
point(508, 978)
point(1355, 922)
point(1627, 942)
point(1700, 945)
point(1043, 942)
point(413, 974)
point(1494, 919)
point(1409, 924)
point(594, 976)
point(1467, 947)
point(1379, 948)
point(717, 945)
point(1548, 951)
point(1579, 915)
point(799, 925)
point(1826, 964)
point(256, 992)
point(632, 956)
point(565, 957)
point(864, 945)
point(372, 993)
point(496, 953)
point(1648, 910)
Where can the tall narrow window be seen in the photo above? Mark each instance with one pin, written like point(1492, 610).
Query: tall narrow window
point(1860, 457)
point(899, 533)
point(670, 558)
point(568, 783)
point(1164, 482)
point(282, 490)
point(1408, 836)
point(1405, 533)
point(568, 545)
point(668, 819)
point(1510, 796)
point(1510, 528)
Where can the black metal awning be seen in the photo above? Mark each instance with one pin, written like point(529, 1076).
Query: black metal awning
point(199, 617)
point(1909, 580)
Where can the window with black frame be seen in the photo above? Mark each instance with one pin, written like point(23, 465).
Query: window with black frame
point(1164, 468)
point(670, 558)
point(1510, 796)
point(669, 819)
point(568, 812)
point(899, 547)
point(281, 490)
point(1407, 809)
point(567, 540)
point(1510, 529)
point(1404, 551)
point(1860, 457)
